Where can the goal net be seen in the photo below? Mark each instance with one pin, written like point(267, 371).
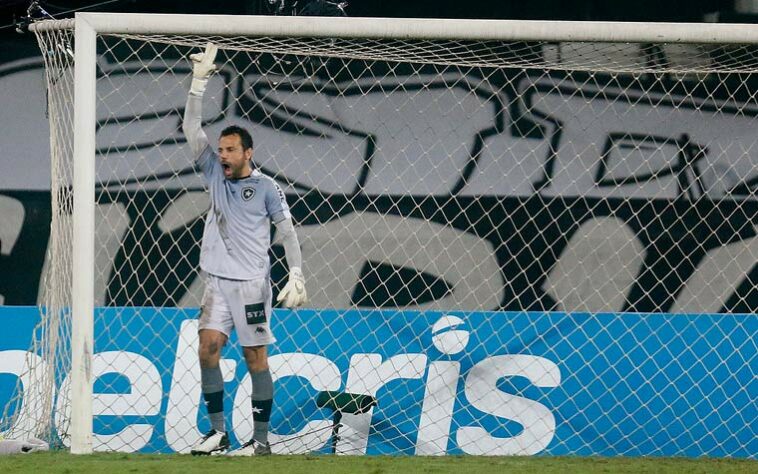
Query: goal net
point(518, 237)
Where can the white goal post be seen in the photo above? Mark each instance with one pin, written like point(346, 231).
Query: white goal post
point(629, 180)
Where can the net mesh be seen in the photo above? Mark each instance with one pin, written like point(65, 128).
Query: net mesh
point(592, 180)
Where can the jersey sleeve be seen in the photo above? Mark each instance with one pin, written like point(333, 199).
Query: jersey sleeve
point(207, 162)
point(205, 157)
point(276, 203)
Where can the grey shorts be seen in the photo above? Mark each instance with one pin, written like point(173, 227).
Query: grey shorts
point(244, 305)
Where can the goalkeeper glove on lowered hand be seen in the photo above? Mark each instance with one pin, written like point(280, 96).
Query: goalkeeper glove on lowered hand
point(294, 294)
point(202, 67)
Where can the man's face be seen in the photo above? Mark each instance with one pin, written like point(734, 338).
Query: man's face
point(235, 160)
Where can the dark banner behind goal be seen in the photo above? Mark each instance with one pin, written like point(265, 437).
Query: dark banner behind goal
point(535, 242)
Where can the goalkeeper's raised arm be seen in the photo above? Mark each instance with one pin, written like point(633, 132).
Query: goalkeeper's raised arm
point(202, 68)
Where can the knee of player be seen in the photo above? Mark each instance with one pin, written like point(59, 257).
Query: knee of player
point(209, 350)
point(256, 358)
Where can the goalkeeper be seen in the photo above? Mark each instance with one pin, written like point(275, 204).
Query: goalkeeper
point(234, 257)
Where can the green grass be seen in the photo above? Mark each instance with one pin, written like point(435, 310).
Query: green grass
point(58, 462)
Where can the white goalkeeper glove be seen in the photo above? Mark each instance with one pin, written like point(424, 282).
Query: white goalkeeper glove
point(202, 67)
point(294, 293)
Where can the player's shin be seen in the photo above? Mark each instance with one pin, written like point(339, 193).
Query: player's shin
point(262, 399)
point(212, 384)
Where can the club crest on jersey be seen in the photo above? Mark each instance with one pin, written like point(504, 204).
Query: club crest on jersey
point(248, 193)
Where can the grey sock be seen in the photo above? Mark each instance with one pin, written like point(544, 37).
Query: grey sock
point(262, 398)
point(212, 386)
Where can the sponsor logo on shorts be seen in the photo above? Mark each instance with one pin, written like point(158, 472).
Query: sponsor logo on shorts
point(255, 313)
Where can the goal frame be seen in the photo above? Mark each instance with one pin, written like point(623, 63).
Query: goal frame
point(88, 25)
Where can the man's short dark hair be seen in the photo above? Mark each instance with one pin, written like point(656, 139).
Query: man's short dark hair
point(245, 137)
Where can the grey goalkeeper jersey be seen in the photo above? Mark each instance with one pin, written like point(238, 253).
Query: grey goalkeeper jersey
point(237, 233)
